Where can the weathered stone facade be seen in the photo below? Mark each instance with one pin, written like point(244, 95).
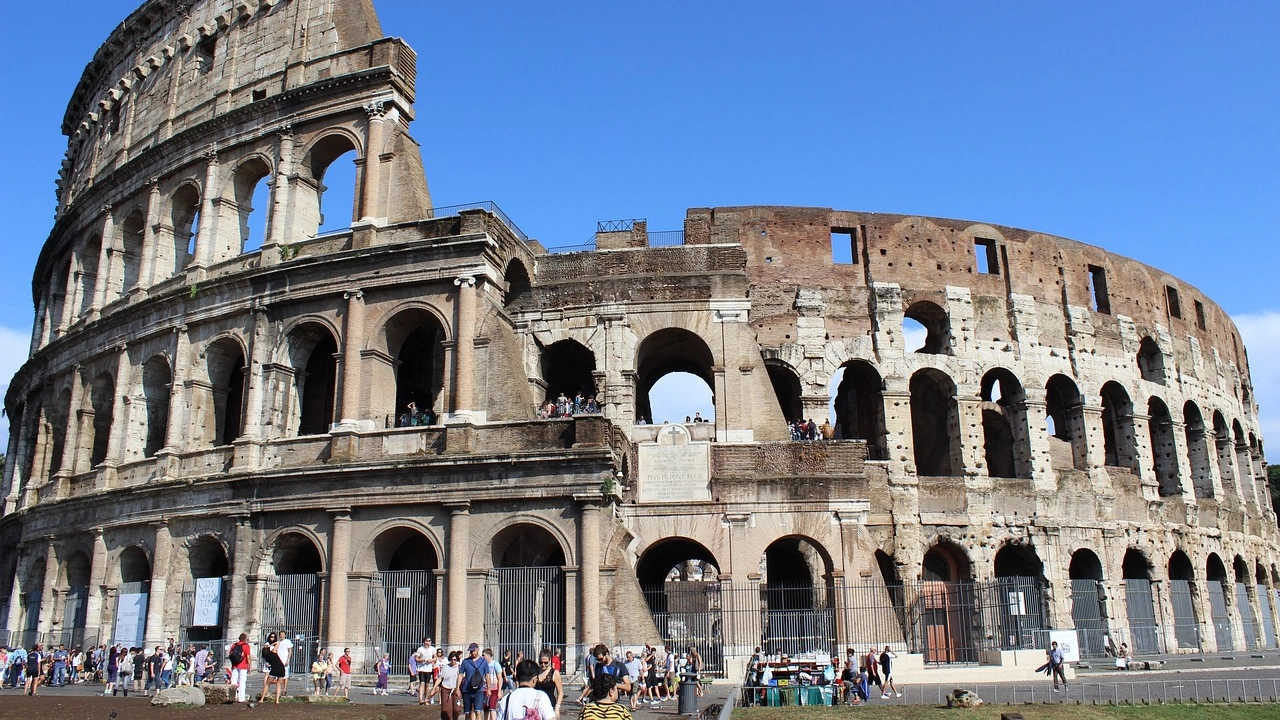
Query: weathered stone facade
point(198, 407)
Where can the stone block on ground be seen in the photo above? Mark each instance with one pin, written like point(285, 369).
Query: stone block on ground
point(961, 698)
point(181, 695)
point(217, 694)
point(327, 700)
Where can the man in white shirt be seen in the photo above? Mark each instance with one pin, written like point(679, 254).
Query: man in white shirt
point(425, 657)
point(284, 649)
point(513, 706)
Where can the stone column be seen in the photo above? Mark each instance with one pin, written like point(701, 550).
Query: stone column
point(15, 594)
point(101, 283)
point(465, 352)
point(68, 298)
point(456, 580)
point(281, 189)
point(97, 578)
point(1033, 408)
point(589, 567)
point(149, 245)
point(969, 458)
point(71, 443)
point(1145, 462)
point(45, 623)
point(238, 619)
point(351, 365)
point(339, 565)
point(259, 356)
point(204, 232)
point(1178, 443)
point(120, 410)
point(157, 603)
point(179, 432)
point(370, 201)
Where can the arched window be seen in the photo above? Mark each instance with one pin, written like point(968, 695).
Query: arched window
point(1019, 574)
point(1117, 427)
point(1225, 448)
point(415, 338)
point(1006, 440)
point(244, 217)
point(1218, 583)
point(668, 351)
point(1065, 421)
point(797, 595)
point(56, 421)
point(1139, 602)
point(102, 399)
point(519, 286)
point(936, 324)
point(1182, 577)
point(568, 368)
point(157, 383)
point(859, 406)
point(131, 236)
point(87, 262)
point(1150, 361)
point(528, 570)
point(935, 425)
point(59, 297)
point(1163, 447)
point(1197, 450)
point(1244, 463)
point(185, 212)
point(313, 356)
point(325, 195)
point(786, 388)
point(225, 364)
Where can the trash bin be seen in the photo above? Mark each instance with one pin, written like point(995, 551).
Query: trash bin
point(688, 694)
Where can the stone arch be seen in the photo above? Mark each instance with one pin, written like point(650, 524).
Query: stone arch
point(527, 544)
point(1163, 447)
point(675, 558)
point(1151, 361)
point(946, 561)
point(294, 551)
point(87, 256)
point(945, 604)
point(134, 565)
point(157, 386)
point(667, 351)
point(528, 560)
point(76, 569)
point(1018, 559)
point(102, 395)
point(1088, 602)
point(1006, 439)
point(786, 388)
point(1198, 460)
point(312, 352)
point(1136, 565)
point(1085, 565)
point(132, 231)
point(56, 419)
point(236, 211)
point(225, 365)
point(1225, 450)
point(1064, 417)
point(518, 285)
point(568, 368)
point(936, 323)
point(414, 336)
point(1183, 591)
point(1220, 587)
point(403, 547)
point(1244, 462)
point(58, 296)
point(207, 557)
point(797, 593)
point(184, 213)
point(859, 407)
point(311, 192)
point(935, 424)
point(1019, 573)
point(1118, 433)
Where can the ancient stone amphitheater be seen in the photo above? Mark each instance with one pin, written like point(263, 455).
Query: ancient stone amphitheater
point(211, 433)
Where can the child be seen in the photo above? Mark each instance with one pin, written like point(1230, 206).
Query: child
point(384, 675)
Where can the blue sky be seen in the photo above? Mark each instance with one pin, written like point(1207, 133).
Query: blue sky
point(1147, 128)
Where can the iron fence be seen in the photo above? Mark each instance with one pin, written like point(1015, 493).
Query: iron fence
point(1218, 614)
point(400, 612)
point(666, 238)
point(1185, 628)
point(486, 205)
point(525, 610)
point(291, 606)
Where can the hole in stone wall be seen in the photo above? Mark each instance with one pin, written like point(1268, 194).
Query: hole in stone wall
point(1098, 290)
point(987, 255)
point(844, 246)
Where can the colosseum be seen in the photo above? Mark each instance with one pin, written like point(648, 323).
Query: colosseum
point(213, 432)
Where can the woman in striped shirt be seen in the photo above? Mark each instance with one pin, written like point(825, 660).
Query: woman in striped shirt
point(604, 703)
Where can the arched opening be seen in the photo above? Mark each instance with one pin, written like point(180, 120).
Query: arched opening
point(102, 395)
point(1088, 606)
point(1182, 575)
point(157, 384)
point(208, 558)
point(680, 581)
point(1164, 453)
point(1150, 361)
point(1268, 636)
point(1019, 576)
point(1197, 450)
point(936, 324)
point(1218, 583)
point(1244, 604)
point(313, 352)
point(75, 604)
point(291, 598)
point(947, 613)
point(131, 236)
point(519, 287)
point(935, 425)
point(568, 368)
point(667, 351)
point(1117, 427)
point(185, 213)
point(1225, 451)
point(1244, 464)
point(681, 397)
point(416, 339)
point(327, 192)
point(134, 565)
point(1064, 419)
point(59, 297)
point(1139, 602)
point(1006, 438)
point(204, 603)
point(859, 407)
point(87, 262)
point(786, 388)
point(252, 206)
point(132, 595)
point(225, 364)
point(526, 589)
point(55, 423)
point(797, 599)
point(403, 607)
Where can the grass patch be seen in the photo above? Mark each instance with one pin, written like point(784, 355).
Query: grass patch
point(1187, 711)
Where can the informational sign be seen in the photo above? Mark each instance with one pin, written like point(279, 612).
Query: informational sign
point(1067, 643)
point(1017, 603)
point(208, 602)
point(404, 593)
point(131, 619)
point(674, 469)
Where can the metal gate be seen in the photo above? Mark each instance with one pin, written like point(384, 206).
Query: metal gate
point(1184, 614)
point(1218, 613)
point(74, 613)
point(525, 609)
point(1142, 616)
point(1246, 617)
point(690, 614)
point(797, 619)
point(1087, 613)
point(291, 606)
point(400, 612)
point(1268, 626)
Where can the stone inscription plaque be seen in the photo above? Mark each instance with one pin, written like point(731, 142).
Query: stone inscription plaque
point(674, 469)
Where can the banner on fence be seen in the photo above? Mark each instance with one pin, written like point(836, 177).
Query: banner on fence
point(1067, 643)
point(208, 602)
point(131, 619)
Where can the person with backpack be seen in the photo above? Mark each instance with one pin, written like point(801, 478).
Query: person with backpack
point(606, 664)
point(473, 673)
point(526, 702)
point(35, 658)
point(238, 655)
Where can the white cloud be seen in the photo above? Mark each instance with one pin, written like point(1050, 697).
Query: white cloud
point(1261, 335)
point(14, 346)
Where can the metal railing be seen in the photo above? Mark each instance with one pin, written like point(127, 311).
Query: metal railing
point(666, 238)
point(486, 205)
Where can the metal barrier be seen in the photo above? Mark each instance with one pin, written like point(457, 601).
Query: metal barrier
point(525, 609)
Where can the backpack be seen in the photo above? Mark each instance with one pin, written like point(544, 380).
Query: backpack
point(475, 678)
point(237, 654)
point(531, 711)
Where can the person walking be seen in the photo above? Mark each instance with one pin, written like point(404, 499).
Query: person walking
point(384, 675)
point(473, 672)
point(239, 657)
point(549, 679)
point(886, 674)
point(344, 673)
point(1056, 665)
point(422, 662)
point(526, 702)
point(447, 688)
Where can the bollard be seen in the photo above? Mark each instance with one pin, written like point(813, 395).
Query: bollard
point(688, 694)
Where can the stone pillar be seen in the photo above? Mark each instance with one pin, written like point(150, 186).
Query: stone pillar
point(238, 619)
point(179, 432)
point(120, 410)
point(1095, 451)
point(898, 435)
point(465, 352)
point(1204, 613)
point(281, 189)
point(589, 567)
point(157, 603)
point(371, 198)
point(68, 298)
point(1146, 467)
point(969, 458)
point(15, 594)
point(204, 232)
point(456, 580)
point(45, 623)
point(1034, 408)
point(97, 578)
point(149, 244)
point(1178, 446)
point(102, 282)
point(339, 565)
point(71, 443)
point(259, 357)
point(352, 334)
